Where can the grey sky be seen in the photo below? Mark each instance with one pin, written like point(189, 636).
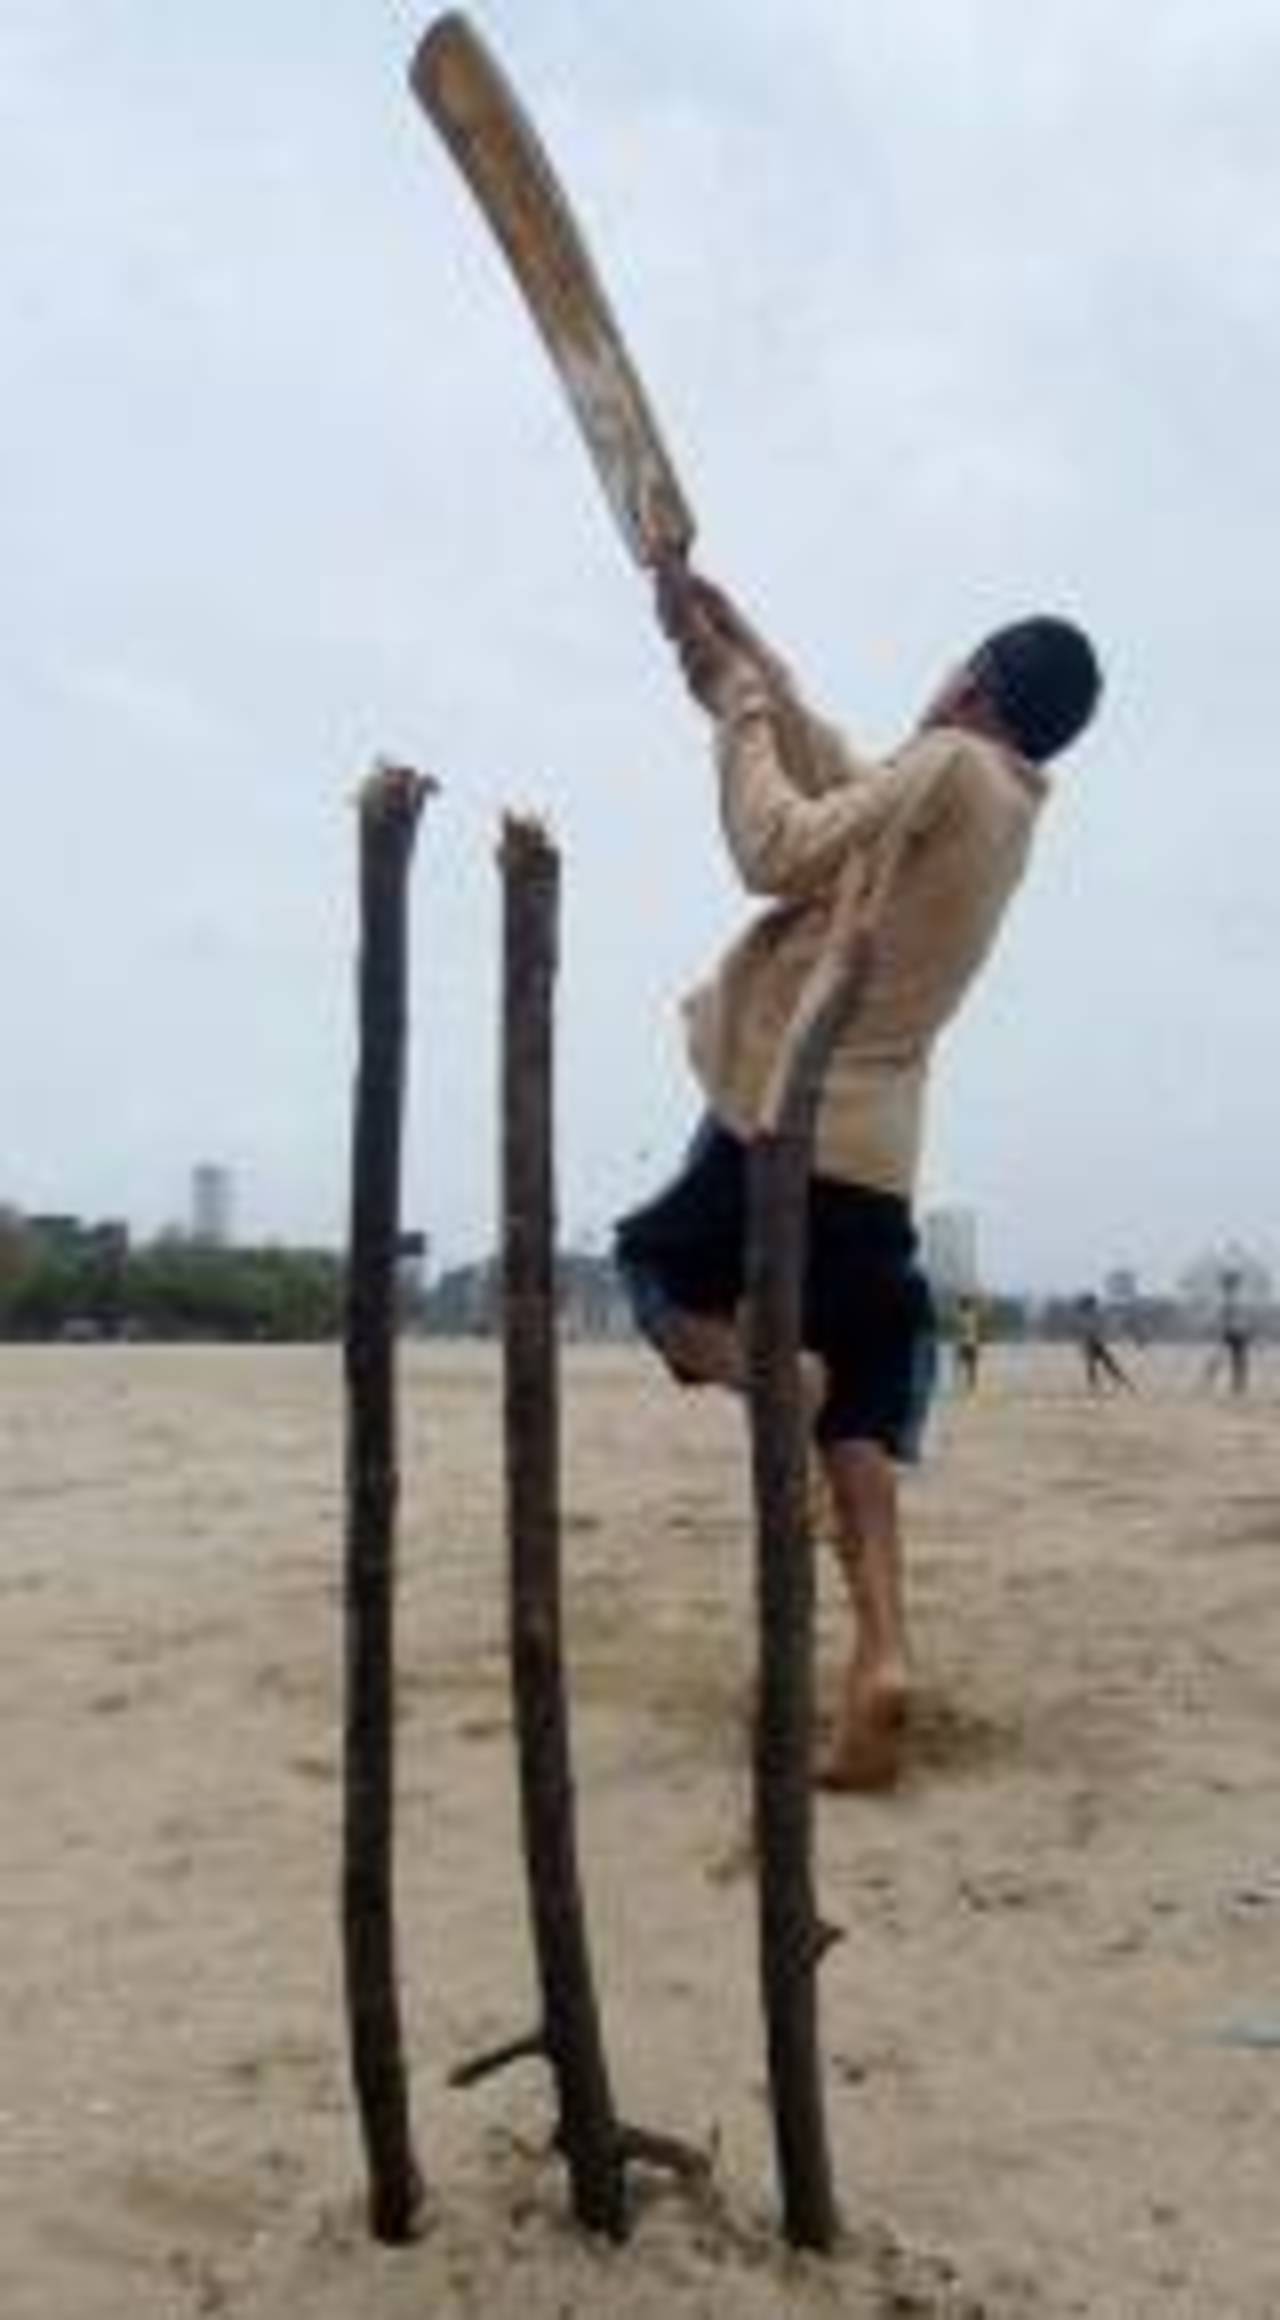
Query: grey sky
point(950, 307)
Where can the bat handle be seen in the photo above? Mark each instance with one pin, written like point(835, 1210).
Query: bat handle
point(670, 552)
point(661, 525)
point(669, 564)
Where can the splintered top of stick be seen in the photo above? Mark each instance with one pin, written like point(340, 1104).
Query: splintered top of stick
point(526, 845)
point(394, 793)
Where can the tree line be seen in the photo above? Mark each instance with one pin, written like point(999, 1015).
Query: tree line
point(94, 1285)
point(88, 1281)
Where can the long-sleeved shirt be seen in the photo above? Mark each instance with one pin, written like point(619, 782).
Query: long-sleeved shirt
point(796, 802)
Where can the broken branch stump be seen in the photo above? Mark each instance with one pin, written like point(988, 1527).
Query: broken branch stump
point(793, 1939)
point(588, 2128)
point(791, 1936)
point(390, 803)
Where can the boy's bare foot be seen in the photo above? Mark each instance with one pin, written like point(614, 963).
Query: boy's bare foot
point(866, 1748)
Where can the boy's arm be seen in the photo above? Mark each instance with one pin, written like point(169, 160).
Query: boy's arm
point(789, 845)
point(815, 755)
point(785, 839)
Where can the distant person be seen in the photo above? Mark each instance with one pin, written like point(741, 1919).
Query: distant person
point(1235, 1335)
point(968, 1342)
point(800, 812)
point(1101, 1367)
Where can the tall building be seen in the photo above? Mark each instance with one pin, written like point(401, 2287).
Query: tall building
point(211, 1205)
point(949, 1243)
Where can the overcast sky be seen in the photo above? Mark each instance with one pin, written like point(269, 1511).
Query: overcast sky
point(951, 308)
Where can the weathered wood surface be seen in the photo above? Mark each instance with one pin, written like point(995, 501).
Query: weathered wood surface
point(792, 1938)
point(588, 2129)
point(390, 804)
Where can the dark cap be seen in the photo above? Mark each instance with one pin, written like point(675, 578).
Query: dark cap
point(1043, 681)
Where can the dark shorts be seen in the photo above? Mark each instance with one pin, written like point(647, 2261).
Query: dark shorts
point(868, 1311)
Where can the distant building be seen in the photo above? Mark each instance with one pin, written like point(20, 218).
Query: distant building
point(412, 1250)
point(96, 1255)
point(56, 1231)
point(592, 1301)
point(1122, 1300)
point(466, 1301)
point(72, 1236)
point(411, 1263)
point(211, 1205)
point(949, 1240)
point(1204, 1284)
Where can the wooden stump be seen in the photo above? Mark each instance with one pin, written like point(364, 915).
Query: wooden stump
point(570, 2033)
point(390, 803)
point(792, 1937)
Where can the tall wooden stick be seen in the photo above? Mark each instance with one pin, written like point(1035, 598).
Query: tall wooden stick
point(390, 803)
point(792, 1939)
point(571, 2034)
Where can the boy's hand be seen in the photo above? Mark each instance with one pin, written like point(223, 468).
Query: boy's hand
point(719, 667)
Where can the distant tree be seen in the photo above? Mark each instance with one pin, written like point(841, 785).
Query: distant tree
point(167, 1289)
point(15, 1257)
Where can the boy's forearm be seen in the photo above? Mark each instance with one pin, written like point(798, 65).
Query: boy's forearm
point(722, 654)
point(813, 754)
point(785, 839)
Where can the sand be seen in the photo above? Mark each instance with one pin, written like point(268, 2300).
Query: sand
point(1050, 2084)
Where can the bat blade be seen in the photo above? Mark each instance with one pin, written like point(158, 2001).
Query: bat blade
point(468, 98)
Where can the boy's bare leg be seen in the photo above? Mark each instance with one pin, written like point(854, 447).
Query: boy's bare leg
point(700, 1349)
point(866, 1745)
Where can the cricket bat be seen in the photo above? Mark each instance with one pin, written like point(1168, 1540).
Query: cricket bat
point(467, 96)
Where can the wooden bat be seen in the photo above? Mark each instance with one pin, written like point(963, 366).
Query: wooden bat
point(467, 96)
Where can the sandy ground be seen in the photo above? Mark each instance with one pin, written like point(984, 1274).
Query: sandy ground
point(1050, 2081)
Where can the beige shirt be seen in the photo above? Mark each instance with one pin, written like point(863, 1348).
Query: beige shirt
point(972, 805)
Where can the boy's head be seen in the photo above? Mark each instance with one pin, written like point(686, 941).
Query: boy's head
point(1034, 684)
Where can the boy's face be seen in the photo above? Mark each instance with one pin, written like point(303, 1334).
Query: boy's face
point(940, 705)
point(962, 699)
point(959, 700)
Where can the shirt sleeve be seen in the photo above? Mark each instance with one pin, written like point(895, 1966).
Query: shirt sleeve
point(815, 755)
point(789, 844)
